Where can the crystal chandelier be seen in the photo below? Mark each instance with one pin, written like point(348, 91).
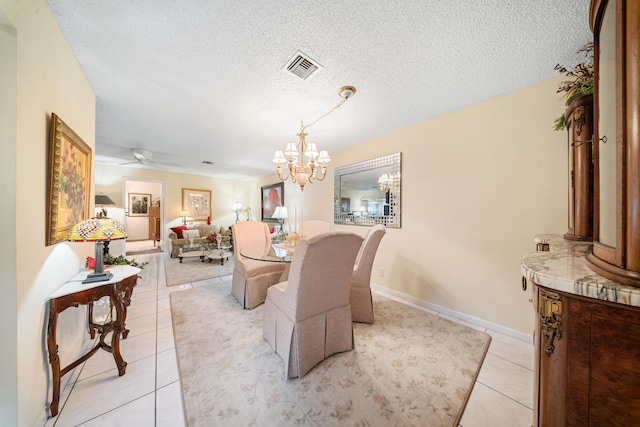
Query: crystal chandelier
point(302, 171)
point(387, 182)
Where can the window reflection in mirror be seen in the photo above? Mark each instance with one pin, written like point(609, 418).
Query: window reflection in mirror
point(368, 193)
point(607, 126)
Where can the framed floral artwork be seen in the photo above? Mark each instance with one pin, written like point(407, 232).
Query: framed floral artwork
point(197, 203)
point(272, 197)
point(69, 180)
point(139, 204)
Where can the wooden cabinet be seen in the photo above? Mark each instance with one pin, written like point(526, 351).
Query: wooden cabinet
point(616, 147)
point(579, 124)
point(587, 369)
point(154, 224)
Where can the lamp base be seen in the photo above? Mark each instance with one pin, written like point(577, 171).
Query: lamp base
point(98, 277)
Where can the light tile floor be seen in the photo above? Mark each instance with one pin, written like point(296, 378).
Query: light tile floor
point(149, 394)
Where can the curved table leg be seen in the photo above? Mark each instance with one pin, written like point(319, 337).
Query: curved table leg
point(54, 359)
point(118, 326)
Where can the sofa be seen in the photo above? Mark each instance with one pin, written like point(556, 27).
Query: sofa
point(196, 233)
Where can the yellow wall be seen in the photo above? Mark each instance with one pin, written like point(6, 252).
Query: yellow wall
point(224, 192)
point(48, 80)
point(8, 291)
point(477, 185)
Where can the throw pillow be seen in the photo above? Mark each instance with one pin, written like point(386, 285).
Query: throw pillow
point(191, 234)
point(179, 230)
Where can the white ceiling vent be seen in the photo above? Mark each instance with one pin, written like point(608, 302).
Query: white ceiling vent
point(301, 65)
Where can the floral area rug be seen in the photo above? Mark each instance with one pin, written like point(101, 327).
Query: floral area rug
point(193, 270)
point(409, 368)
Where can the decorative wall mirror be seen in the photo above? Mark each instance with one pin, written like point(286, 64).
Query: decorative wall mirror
point(369, 192)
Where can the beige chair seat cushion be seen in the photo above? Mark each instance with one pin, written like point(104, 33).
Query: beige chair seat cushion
point(251, 268)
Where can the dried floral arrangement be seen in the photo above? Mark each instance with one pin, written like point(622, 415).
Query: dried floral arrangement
point(580, 81)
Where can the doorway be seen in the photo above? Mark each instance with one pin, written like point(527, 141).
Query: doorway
point(144, 215)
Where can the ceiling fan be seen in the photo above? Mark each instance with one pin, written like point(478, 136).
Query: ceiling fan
point(141, 156)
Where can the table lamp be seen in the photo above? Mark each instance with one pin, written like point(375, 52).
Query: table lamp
point(184, 215)
point(280, 214)
point(101, 200)
point(97, 230)
point(237, 207)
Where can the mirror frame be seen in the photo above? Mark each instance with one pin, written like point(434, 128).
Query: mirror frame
point(393, 220)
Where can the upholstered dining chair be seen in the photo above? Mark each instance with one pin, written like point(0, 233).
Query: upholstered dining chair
point(314, 227)
point(361, 300)
point(308, 317)
point(251, 278)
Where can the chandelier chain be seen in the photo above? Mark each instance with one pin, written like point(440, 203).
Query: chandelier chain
point(303, 127)
point(313, 169)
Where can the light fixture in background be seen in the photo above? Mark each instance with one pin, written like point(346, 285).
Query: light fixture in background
point(102, 200)
point(388, 182)
point(384, 182)
point(184, 215)
point(280, 214)
point(99, 230)
point(301, 171)
point(237, 207)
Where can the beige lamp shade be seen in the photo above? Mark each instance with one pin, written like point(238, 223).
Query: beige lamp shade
point(103, 199)
point(280, 213)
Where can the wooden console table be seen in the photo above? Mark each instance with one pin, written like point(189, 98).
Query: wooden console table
point(587, 340)
point(74, 293)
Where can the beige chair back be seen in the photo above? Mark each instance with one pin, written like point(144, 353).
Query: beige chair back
point(320, 274)
point(308, 318)
point(250, 234)
point(367, 253)
point(361, 298)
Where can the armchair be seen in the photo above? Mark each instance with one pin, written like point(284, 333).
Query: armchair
point(308, 318)
point(252, 278)
point(360, 299)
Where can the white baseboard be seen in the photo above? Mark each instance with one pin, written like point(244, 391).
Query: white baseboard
point(418, 303)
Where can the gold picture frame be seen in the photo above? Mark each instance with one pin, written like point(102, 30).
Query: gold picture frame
point(69, 180)
point(197, 203)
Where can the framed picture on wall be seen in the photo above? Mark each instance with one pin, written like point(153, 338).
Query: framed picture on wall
point(69, 180)
point(197, 203)
point(272, 197)
point(139, 204)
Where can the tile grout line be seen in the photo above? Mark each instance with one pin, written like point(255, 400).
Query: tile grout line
point(507, 396)
point(510, 361)
point(155, 391)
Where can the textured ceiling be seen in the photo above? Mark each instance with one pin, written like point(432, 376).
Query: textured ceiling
point(196, 80)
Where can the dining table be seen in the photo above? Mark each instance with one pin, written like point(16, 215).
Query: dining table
point(276, 252)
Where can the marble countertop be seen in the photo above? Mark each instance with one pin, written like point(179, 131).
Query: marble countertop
point(563, 269)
